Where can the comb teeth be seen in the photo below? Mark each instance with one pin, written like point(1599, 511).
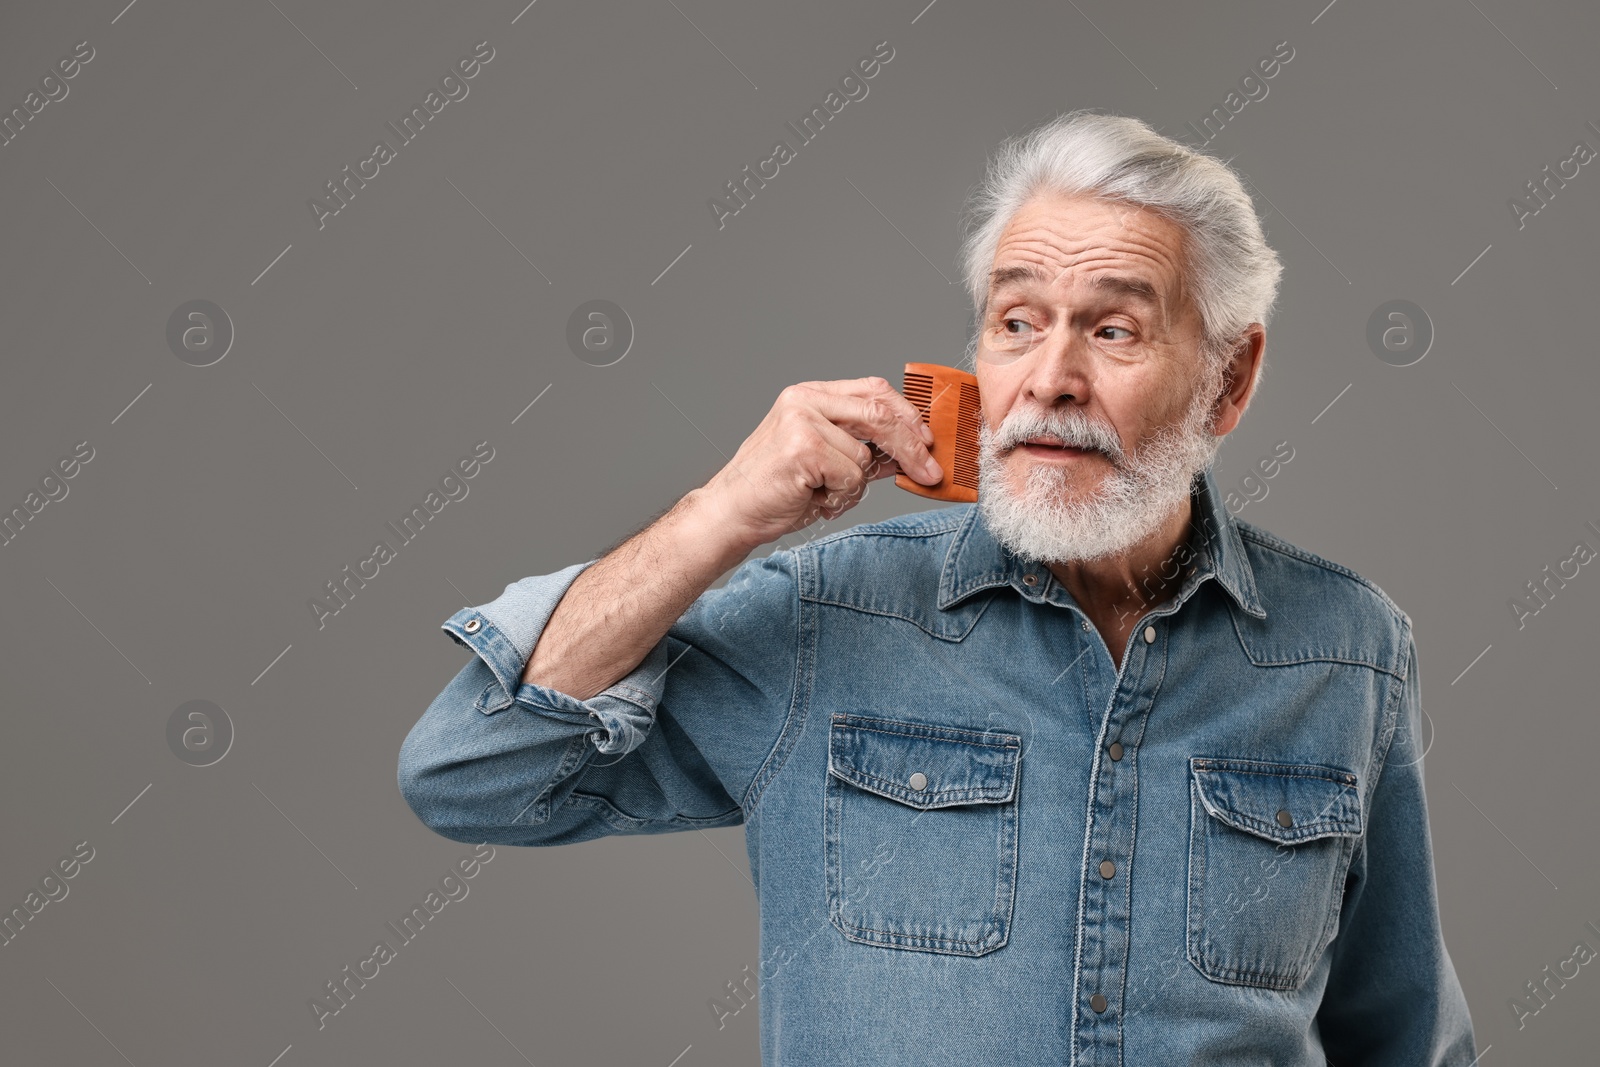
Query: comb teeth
point(919, 390)
point(949, 401)
point(965, 473)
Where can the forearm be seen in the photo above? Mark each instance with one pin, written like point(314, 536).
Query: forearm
point(620, 607)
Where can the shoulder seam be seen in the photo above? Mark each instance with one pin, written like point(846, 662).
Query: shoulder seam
point(1251, 532)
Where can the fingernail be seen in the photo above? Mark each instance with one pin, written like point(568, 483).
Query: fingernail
point(927, 432)
point(934, 470)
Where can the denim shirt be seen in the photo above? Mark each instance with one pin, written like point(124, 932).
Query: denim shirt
point(974, 838)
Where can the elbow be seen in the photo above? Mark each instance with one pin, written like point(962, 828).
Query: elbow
point(417, 786)
point(429, 801)
point(432, 794)
point(464, 798)
point(473, 769)
point(436, 771)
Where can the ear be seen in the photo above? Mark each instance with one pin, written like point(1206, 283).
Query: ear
point(1240, 378)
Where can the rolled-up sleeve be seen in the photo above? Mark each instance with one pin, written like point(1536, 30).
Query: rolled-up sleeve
point(675, 744)
point(1393, 998)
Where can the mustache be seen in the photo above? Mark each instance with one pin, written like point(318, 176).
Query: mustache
point(1077, 431)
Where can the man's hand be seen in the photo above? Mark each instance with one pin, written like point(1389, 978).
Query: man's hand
point(806, 459)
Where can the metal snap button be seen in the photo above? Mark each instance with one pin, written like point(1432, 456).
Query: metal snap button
point(472, 626)
point(1115, 750)
point(1149, 635)
point(1284, 818)
point(1108, 869)
point(1098, 1002)
point(1029, 579)
point(918, 781)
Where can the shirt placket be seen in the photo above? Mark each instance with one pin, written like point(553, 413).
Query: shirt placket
point(1105, 898)
point(1104, 919)
point(1108, 864)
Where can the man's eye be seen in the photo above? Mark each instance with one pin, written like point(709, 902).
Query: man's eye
point(1007, 324)
point(1126, 331)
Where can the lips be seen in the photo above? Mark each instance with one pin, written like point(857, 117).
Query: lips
point(1050, 450)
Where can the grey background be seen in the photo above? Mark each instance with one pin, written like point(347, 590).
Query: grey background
point(374, 352)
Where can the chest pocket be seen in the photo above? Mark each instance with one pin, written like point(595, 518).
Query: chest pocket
point(920, 832)
point(1269, 847)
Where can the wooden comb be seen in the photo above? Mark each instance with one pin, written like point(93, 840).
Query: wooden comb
point(948, 400)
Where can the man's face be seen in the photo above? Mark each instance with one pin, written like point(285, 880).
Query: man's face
point(1090, 337)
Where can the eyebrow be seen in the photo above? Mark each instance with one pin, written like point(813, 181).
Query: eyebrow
point(1116, 284)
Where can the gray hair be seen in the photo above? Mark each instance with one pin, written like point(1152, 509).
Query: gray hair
point(1232, 274)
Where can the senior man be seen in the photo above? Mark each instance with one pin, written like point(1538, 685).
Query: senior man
point(1089, 772)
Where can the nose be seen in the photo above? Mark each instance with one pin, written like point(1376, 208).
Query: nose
point(1057, 371)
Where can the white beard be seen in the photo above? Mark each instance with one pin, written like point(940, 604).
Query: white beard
point(1048, 521)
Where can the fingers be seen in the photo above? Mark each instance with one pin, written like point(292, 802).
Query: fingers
point(871, 387)
point(847, 466)
point(881, 465)
point(844, 467)
point(871, 409)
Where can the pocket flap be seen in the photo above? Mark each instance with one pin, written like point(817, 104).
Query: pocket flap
point(1259, 798)
point(923, 765)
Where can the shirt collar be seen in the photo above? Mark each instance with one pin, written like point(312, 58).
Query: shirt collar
point(976, 561)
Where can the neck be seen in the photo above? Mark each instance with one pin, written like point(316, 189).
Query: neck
point(1124, 585)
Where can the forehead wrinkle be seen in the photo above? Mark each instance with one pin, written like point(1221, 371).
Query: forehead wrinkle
point(1178, 262)
point(1067, 251)
point(1119, 214)
point(1045, 241)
